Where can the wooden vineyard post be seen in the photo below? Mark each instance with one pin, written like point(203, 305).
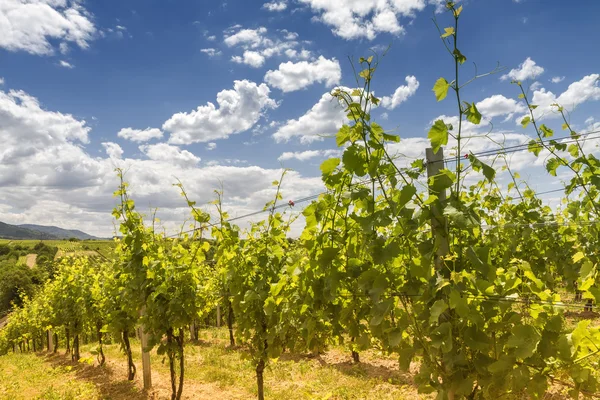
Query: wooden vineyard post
point(435, 163)
point(147, 371)
point(218, 315)
point(50, 337)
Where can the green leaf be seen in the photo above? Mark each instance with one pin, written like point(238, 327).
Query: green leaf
point(355, 160)
point(552, 165)
point(438, 135)
point(405, 357)
point(473, 114)
point(406, 194)
point(328, 166)
point(504, 363)
point(436, 310)
point(391, 138)
point(458, 304)
point(578, 257)
point(448, 32)
point(343, 135)
point(478, 165)
point(440, 89)
point(459, 56)
point(573, 150)
point(534, 147)
point(525, 121)
point(546, 132)
point(442, 181)
point(524, 340)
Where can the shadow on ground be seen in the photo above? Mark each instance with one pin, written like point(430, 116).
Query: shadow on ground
point(110, 384)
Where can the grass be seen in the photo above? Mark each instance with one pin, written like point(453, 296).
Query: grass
point(213, 371)
point(29, 376)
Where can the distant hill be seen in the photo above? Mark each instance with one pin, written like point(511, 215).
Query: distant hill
point(59, 233)
point(17, 232)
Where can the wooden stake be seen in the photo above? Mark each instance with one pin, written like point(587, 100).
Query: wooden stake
point(147, 371)
point(435, 163)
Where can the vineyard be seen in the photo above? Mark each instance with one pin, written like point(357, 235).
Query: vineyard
point(473, 289)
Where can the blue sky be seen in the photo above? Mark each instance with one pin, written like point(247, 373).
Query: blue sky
point(76, 73)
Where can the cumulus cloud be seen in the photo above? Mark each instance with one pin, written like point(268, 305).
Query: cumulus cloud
point(139, 135)
point(295, 76)
point(32, 26)
point(401, 94)
point(586, 89)
point(365, 18)
point(308, 154)
point(326, 117)
point(168, 153)
point(527, 70)
point(275, 6)
point(557, 79)
point(251, 58)
point(113, 150)
point(44, 166)
point(247, 37)
point(211, 146)
point(323, 119)
point(498, 105)
point(238, 110)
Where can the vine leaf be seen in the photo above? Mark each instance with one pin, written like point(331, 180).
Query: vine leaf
point(436, 310)
point(473, 114)
point(524, 340)
point(438, 135)
point(441, 89)
point(448, 32)
point(328, 166)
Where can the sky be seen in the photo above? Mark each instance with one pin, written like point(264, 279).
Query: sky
point(223, 95)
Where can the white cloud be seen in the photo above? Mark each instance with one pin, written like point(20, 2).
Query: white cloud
point(295, 76)
point(211, 146)
point(258, 45)
point(211, 52)
point(44, 166)
point(557, 79)
point(295, 54)
point(239, 109)
point(275, 6)
point(527, 70)
point(498, 105)
point(65, 64)
point(251, 58)
point(323, 119)
point(247, 37)
point(401, 94)
point(384, 116)
point(1, 81)
point(365, 18)
point(535, 85)
point(586, 89)
point(31, 25)
point(139, 135)
point(171, 154)
point(211, 38)
point(113, 150)
point(307, 155)
point(64, 48)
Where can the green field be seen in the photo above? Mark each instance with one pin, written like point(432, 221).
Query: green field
point(67, 248)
